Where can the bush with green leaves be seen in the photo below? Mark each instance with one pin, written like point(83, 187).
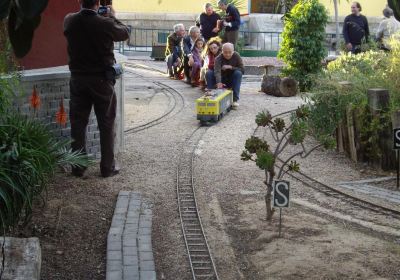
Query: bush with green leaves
point(29, 156)
point(302, 47)
point(267, 154)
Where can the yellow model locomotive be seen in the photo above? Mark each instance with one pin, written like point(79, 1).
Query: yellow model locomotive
point(214, 105)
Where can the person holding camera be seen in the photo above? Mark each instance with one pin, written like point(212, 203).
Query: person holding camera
point(231, 22)
point(90, 35)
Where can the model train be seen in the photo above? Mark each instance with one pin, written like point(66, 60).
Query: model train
point(214, 105)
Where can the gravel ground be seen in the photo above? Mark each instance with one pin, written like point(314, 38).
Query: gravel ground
point(73, 225)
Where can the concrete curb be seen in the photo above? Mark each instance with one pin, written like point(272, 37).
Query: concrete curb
point(129, 246)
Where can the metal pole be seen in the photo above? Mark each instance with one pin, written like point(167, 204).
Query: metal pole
point(398, 168)
point(280, 221)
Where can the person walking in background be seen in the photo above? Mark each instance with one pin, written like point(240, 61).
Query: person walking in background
point(355, 29)
point(211, 51)
point(231, 22)
point(386, 29)
point(208, 22)
point(197, 61)
point(90, 45)
point(228, 71)
point(173, 51)
point(187, 48)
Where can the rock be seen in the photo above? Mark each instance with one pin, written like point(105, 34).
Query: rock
point(288, 87)
point(23, 258)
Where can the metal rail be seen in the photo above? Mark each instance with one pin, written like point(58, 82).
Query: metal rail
point(201, 262)
point(170, 92)
point(336, 193)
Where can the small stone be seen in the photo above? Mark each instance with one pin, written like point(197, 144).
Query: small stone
point(59, 252)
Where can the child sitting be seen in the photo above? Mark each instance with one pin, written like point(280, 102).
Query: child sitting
point(197, 61)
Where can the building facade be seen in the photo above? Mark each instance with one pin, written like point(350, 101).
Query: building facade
point(371, 8)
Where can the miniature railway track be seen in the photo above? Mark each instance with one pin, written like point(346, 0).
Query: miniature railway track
point(172, 94)
point(200, 259)
point(338, 194)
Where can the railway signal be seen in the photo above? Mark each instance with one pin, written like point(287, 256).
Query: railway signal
point(281, 198)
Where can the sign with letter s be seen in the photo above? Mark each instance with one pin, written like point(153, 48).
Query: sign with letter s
point(281, 193)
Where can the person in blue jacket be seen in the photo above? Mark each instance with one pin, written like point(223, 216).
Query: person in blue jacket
point(355, 29)
point(231, 22)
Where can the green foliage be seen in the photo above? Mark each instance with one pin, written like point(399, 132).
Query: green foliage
point(265, 160)
point(294, 166)
point(302, 47)
point(278, 125)
point(263, 118)
point(29, 155)
point(254, 144)
point(23, 18)
point(299, 132)
point(395, 6)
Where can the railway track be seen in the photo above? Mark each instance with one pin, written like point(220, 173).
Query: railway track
point(336, 193)
point(200, 259)
point(177, 104)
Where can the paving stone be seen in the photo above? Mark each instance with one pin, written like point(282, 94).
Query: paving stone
point(114, 255)
point(114, 246)
point(130, 260)
point(114, 275)
point(131, 273)
point(147, 266)
point(130, 251)
point(129, 242)
point(145, 239)
point(131, 228)
point(144, 231)
point(132, 220)
point(147, 275)
point(145, 224)
point(145, 248)
point(146, 256)
point(114, 265)
point(124, 193)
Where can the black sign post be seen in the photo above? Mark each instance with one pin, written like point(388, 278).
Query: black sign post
point(396, 146)
point(281, 198)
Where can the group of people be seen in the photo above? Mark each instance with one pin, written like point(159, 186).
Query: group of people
point(356, 29)
point(202, 57)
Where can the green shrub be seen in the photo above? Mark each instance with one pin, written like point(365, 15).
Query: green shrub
point(29, 156)
point(302, 47)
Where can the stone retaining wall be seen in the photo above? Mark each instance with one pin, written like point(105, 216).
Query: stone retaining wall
point(52, 85)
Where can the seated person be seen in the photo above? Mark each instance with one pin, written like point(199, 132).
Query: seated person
point(197, 61)
point(228, 71)
point(211, 51)
point(173, 52)
point(187, 48)
point(387, 28)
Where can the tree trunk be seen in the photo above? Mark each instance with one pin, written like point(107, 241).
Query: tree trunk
point(268, 197)
point(335, 3)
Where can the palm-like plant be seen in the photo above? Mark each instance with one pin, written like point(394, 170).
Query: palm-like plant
point(29, 157)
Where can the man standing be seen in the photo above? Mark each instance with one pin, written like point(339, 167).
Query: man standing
point(90, 39)
point(187, 46)
point(228, 71)
point(231, 22)
point(173, 52)
point(355, 29)
point(208, 22)
point(387, 28)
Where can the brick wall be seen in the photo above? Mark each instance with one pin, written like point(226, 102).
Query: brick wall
point(52, 85)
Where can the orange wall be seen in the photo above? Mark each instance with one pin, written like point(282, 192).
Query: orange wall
point(49, 47)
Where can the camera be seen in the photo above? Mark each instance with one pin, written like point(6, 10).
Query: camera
point(103, 9)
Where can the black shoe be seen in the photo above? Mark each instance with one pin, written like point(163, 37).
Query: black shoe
point(112, 173)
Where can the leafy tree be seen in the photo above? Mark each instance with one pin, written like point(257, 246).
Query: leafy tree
point(23, 18)
point(303, 41)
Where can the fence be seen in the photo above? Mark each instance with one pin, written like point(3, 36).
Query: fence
point(143, 40)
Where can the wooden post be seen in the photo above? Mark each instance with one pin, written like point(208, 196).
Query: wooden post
point(344, 86)
point(340, 138)
point(379, 102)
point(350, 127)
